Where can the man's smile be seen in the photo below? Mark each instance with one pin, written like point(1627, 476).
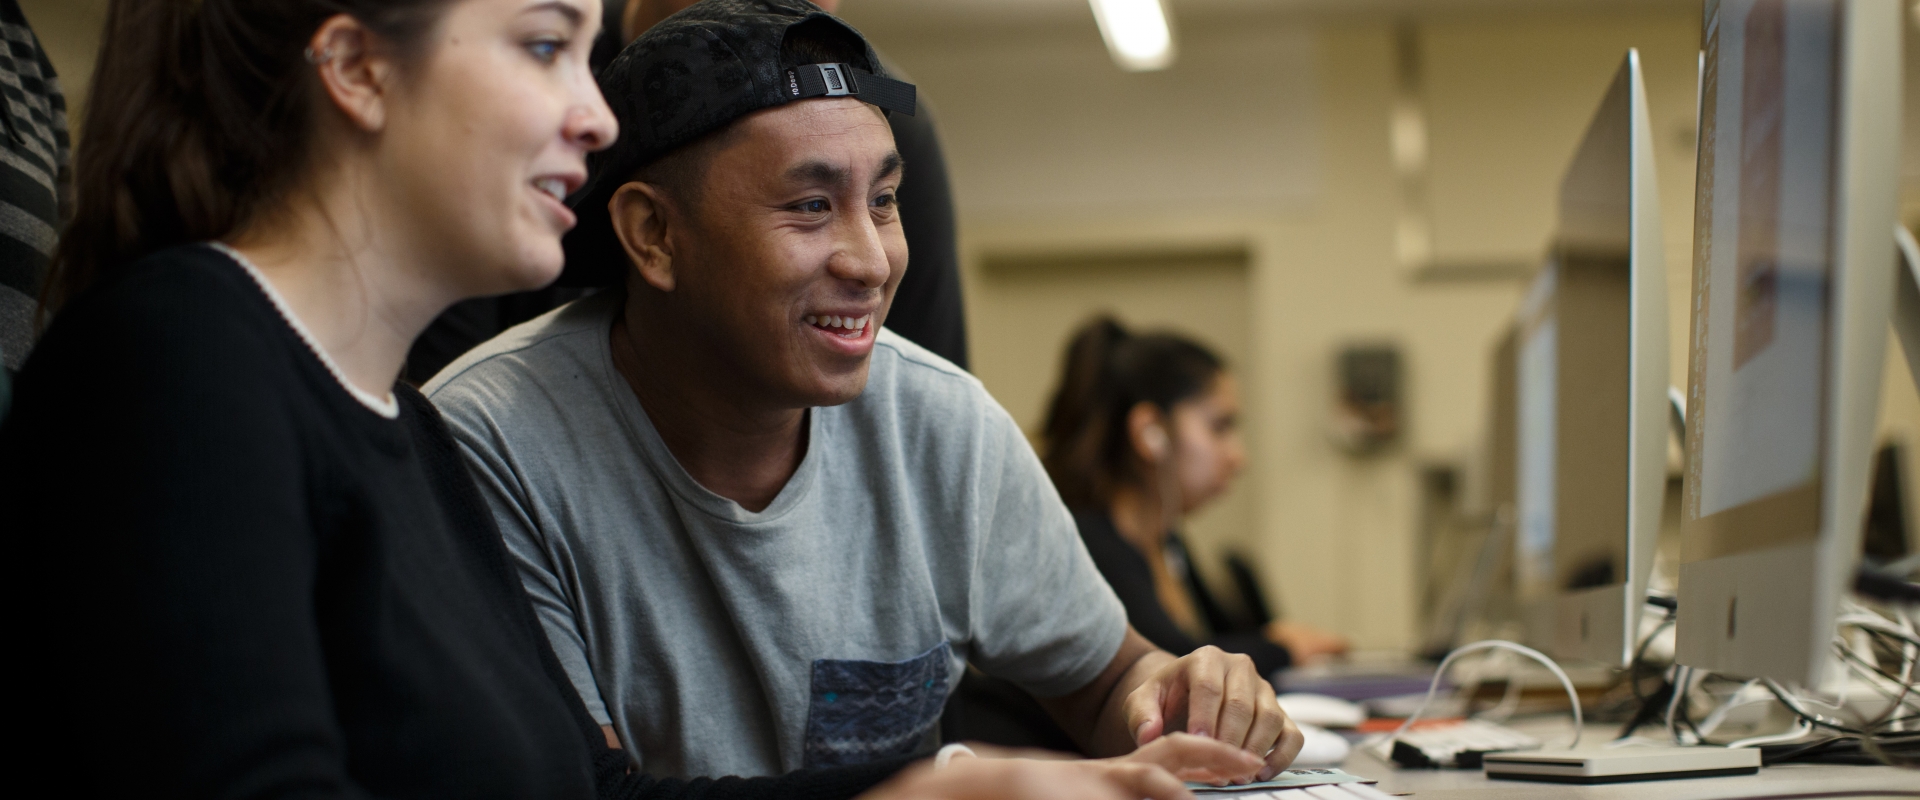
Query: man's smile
point(841, 326)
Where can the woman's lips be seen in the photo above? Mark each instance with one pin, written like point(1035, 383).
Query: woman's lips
point(552, 194)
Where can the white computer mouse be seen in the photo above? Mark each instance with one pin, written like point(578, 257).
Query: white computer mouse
point(1319, 709)
point(1324, 748)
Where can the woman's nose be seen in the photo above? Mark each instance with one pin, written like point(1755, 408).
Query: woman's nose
point(591, 123)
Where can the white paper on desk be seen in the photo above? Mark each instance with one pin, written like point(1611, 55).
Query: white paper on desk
point(1288, 779)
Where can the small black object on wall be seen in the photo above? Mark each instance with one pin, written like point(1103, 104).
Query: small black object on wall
point(1367, 414)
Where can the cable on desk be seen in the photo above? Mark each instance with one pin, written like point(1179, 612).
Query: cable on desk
point(1835, 750)
point(1490, 644)
point(1644, 713)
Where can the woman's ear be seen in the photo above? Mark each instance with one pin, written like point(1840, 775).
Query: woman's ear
point(355, 75)
point(1147, 431)
point(639, 213)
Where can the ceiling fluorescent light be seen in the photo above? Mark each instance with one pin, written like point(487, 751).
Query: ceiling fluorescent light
point(1137, 33)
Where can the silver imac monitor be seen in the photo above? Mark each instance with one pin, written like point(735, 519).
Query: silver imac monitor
point(1591, 410)
point(1794, 203)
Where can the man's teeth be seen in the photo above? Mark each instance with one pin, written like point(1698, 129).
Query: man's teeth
point(552, 186)
point(852, 325)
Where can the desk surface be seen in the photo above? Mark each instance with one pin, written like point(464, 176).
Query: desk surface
point(1787, 780)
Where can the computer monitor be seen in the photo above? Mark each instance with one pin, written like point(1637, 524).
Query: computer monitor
point(1592, 394)
point(1794, 210)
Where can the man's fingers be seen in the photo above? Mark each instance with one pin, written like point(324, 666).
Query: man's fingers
point(1153, 708)
point(1268, 724)
point(1145, 780)
point(1206, 680)
point(1196, 758)
point(1284, 751)
point(1145, 720)
point(1241, 704)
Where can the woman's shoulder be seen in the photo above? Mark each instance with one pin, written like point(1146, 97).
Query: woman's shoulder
point(187, 301)
point(174, 284)
point(178, 324)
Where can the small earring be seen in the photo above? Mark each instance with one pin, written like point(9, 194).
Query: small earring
point(320, 57)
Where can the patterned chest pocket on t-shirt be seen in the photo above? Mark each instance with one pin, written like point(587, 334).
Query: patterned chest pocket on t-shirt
point(861, 711)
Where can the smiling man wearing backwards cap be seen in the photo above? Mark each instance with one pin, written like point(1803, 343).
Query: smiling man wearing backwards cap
point(762, 531)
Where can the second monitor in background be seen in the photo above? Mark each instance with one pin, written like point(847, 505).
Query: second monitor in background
point(1795, 201)
point(1592, 394)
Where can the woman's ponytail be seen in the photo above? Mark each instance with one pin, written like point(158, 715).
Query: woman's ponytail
point(1085, 445)
point(1071, 438)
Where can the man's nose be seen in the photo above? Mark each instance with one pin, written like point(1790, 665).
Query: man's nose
point(860, 255)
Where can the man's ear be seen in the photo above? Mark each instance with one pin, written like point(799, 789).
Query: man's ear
point(639, 212)
point(355, 75)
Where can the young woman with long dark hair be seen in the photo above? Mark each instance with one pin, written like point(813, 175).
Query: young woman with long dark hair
point(1143, 431)
point(263, 570)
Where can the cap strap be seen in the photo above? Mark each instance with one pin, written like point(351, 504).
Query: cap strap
point(842, 80)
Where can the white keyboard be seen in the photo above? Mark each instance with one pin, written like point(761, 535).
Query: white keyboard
point(1456, 746)
point(1296, 784)
point(1336, 791)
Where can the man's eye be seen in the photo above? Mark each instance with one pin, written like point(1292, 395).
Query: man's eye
point(885, 201)
point(814, 207)
point(546, 50)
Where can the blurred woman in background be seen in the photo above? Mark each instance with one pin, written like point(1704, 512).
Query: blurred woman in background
point(1142, 432)
point(263, 569)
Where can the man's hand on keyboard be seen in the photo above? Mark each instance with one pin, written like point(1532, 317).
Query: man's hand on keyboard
point(1194, 758)
point(1218, 695)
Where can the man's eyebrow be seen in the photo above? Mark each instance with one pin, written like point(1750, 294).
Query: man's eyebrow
point(890, 166)
point(815, 173)
point(821, 173)
point(565, 9)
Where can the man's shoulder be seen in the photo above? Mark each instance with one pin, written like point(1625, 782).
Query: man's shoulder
point(915, 366)
point(542, 357)
point(925, 391)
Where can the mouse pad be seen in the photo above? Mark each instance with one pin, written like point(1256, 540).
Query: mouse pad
point(1289, 779)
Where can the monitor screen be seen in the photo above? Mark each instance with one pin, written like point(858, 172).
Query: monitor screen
point(1761, 275)
point(1534, 569)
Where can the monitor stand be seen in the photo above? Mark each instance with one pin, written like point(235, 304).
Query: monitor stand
point(1906, 301)
point(1622, 764)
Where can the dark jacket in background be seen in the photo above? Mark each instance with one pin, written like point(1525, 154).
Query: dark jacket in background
point(35, 180)
point(987, 709)
point(927, 306)
point(1127, 571)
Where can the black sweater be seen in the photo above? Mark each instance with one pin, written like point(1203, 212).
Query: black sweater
point(250, 584)
point(1132, 579)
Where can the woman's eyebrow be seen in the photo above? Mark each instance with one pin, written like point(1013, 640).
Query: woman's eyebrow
point(562, 7)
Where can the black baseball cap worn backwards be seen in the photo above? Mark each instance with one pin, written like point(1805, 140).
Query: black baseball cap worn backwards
point(698, 70)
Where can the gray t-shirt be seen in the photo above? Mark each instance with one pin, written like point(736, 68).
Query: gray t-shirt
point(918, 534)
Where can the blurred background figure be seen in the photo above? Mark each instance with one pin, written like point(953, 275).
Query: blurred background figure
point(34, 184)
point(1143, 431)
point(926, 308)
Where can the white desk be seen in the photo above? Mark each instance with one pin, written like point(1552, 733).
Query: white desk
point(1787, 780)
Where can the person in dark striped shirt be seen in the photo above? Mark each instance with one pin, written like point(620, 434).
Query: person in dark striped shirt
point(34, 172)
